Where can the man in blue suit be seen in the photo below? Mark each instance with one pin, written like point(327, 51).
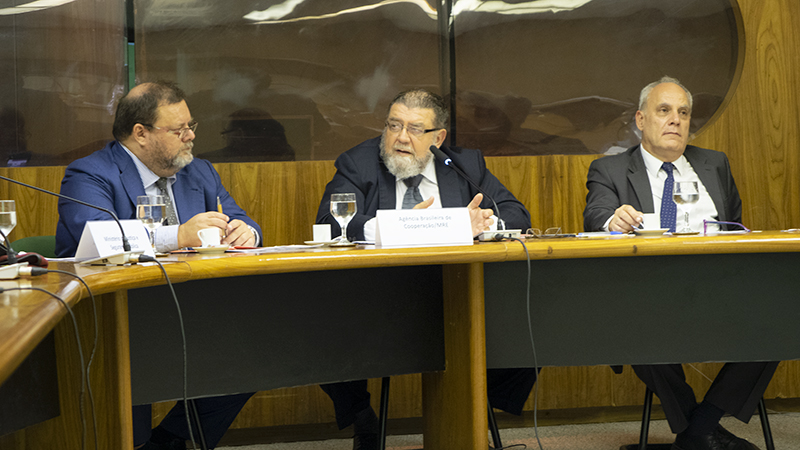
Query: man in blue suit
point(379, 171)
point(152, 154)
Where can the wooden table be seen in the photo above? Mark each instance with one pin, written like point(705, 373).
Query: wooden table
point(454, 405)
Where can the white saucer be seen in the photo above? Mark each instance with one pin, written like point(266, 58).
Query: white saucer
point(333, 241)
point(213, 249)
point(339, 244)
point(656, 232)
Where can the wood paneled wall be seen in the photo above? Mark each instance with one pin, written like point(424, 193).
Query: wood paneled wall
point(758, 130)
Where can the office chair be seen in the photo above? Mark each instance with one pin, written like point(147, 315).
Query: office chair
point(648, 406)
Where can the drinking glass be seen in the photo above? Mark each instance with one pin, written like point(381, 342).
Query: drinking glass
point(685, 194)
point(8, 216)
point(343, 208)
point(151, 210)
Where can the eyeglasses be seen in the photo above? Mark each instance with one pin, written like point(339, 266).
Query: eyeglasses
point(180, 132)
point(397, 128)
point(548, 233)
point(721, 222)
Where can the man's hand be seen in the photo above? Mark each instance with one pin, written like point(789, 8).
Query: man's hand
point(187, 232)
point(481, 218)
point(239, 233)
point(625, 219)
point(424, 204)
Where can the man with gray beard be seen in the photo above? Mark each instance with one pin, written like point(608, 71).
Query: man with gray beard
point(397, 170)
point(152, 155)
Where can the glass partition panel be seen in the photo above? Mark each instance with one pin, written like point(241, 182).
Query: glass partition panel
point(289, 79)
point(563, 77)
point(61, 68)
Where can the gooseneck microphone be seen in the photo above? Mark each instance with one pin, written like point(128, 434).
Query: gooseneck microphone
point(441, 156)
point(126, 246)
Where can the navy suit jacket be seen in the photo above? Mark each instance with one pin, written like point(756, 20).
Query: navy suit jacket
point(109, 178)
point(361, 170)
point(622, 179)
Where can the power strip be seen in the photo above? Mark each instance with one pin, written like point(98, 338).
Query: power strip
point(499, 235)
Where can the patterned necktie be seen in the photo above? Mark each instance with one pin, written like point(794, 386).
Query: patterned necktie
point(669, 210)
point(172, 218)
point(413, 196)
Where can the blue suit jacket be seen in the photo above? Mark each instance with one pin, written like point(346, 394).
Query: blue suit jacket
point(361, 170)
point(109, 178)
point(621, 179)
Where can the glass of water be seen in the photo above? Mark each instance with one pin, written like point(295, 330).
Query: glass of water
point(151, 210)
point(685, 194)
point(8, 216)
point(343, 208)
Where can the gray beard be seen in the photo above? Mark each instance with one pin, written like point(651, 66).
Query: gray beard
point(178, 162)
point(403, 167)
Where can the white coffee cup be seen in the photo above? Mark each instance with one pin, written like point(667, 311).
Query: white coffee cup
point(209, 237)
point(322, 232)
point(651, 221)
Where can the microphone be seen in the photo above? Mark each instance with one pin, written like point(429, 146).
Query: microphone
point(441, 156)
point(126, 246)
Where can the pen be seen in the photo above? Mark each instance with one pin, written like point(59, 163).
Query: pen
point(219, 205)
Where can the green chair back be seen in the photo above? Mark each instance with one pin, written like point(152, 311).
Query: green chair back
point(43, 245)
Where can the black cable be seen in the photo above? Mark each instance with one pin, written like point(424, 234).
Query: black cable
point(533, 345)
point(80, 350)
point(146, 258)
point(94, 346)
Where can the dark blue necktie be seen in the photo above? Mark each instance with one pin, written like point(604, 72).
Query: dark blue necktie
point(669, 210)
point(413, 196)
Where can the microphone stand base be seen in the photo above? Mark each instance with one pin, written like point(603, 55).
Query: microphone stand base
point(119, 259)
point(499, 235)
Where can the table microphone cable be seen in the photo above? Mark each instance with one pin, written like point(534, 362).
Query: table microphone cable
point(533, 345)
point(147, 258)
point(39, 271)
point(142, 258)
point(80, 350)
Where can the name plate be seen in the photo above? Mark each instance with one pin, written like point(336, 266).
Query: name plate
point(101, 238)
point(410, 227)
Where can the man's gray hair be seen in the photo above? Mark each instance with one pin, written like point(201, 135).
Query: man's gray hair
point(665, 79)
point(422, 99)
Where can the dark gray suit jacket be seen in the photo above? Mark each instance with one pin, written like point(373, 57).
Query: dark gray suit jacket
point(361, 170)
point(621, 179)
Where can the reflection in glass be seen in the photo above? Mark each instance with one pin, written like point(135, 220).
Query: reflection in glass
point(324, 71)
point(61, 69)
point(309, 79)
point(533, 80)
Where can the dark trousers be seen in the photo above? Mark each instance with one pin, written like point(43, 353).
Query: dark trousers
point(216, 415)
point(508, 390)
point(736, 390)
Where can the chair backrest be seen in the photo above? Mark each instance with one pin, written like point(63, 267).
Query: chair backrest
point(43, 245)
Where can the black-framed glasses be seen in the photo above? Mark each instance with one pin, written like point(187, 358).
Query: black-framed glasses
point(180, 132)
point(397, 128)
point(722, 222)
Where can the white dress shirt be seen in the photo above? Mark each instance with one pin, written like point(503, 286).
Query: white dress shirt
point(428, 187)
point(165, 236)
point(683, 171)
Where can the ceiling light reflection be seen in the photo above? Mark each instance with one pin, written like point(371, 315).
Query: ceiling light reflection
point(37, 5)
point(276, 13)
point(532, 7)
